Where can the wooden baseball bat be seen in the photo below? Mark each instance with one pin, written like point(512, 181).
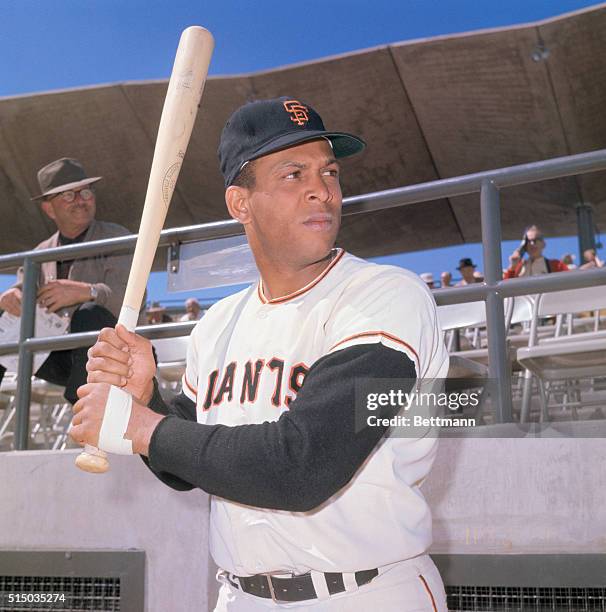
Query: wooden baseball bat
point(178, 115)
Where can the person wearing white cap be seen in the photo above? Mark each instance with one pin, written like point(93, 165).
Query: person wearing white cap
point(427, 278)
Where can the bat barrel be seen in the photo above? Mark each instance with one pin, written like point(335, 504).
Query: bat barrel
point(176, 124)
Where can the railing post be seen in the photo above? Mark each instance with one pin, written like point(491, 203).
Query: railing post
point(498, 360)
point(585, 229)
point(24, 371)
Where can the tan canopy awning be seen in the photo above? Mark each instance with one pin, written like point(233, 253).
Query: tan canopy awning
point(428, 109)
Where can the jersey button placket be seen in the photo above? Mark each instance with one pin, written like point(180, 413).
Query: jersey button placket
point(263, 311)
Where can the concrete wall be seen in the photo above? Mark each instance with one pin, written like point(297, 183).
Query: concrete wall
point(46, 502)
point(488, 496)
point(519, 496)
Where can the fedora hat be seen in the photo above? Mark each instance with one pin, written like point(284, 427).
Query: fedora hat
point(466, 262)
point(61, 175)
point(156, 307)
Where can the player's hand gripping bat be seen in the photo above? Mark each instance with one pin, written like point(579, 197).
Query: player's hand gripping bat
point(178, 115)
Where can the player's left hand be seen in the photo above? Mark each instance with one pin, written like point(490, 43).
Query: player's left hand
point(60, 293)
point(88, 413)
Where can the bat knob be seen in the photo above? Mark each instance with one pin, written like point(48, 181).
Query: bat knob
point(93, 462)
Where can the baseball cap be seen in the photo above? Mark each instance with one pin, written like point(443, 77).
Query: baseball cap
point(265, 126)
point(62, 175)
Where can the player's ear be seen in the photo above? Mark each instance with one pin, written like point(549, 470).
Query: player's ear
point(47, 207)
point(237, 200)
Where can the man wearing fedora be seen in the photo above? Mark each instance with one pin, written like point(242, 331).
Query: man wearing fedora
point(89, 290)
point(466, 267)
point(156, 314)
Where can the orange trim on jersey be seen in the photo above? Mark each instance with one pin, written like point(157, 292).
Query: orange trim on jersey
point(379, 333)
point(194, 391)
point(433, 601)
point(290, 296)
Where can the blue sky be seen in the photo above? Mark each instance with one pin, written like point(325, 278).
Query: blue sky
point(51, 44)
point(56, 44)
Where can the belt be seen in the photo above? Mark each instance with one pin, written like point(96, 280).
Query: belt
point(296, 588)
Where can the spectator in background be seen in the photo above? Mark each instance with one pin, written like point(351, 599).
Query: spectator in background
point(568, 260)
point(446, 279)
point(427, 277)
point(591, 260)
point(156, 314)
point(193, 312)
point(533, 243)
point(467, 268)
point(479, 277)
point(89, 289)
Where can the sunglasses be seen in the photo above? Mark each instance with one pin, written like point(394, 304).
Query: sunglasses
point(69, 196)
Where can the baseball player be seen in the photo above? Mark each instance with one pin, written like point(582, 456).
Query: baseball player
point(307, 512)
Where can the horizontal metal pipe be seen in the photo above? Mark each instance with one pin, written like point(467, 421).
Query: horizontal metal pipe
point(9, 348)
point(460, 295)
point(379, 200)
point(545, 283)
point(472, 183)
point(70, 341)
point(205, 231)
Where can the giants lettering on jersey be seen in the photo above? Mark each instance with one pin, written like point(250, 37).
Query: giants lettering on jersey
point(221, 384)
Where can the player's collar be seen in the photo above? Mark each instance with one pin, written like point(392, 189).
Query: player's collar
point(337, 256)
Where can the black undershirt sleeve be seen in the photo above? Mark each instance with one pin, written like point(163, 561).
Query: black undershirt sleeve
point(295, 463)
point(181, 407)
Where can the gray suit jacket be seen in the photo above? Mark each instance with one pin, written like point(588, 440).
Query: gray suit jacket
point(108, 273)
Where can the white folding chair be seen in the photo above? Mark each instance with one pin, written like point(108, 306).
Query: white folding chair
point(473, 363)
point(462, 371)
point(564, 358)
point(472, 314)
point(50, 414)
point(171, 354)
point(7, 409)
point(456, 317)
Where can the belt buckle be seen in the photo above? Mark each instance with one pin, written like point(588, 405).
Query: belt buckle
point(271, 589)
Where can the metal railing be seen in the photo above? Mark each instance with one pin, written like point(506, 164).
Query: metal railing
point(493, 290)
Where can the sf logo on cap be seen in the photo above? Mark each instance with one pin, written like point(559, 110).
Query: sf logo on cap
point(297, 111)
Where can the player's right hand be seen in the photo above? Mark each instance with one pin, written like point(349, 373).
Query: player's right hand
point(10, 301)
point(123, 359)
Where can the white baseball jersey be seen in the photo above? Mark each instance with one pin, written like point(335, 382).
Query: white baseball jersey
point(246, 361)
